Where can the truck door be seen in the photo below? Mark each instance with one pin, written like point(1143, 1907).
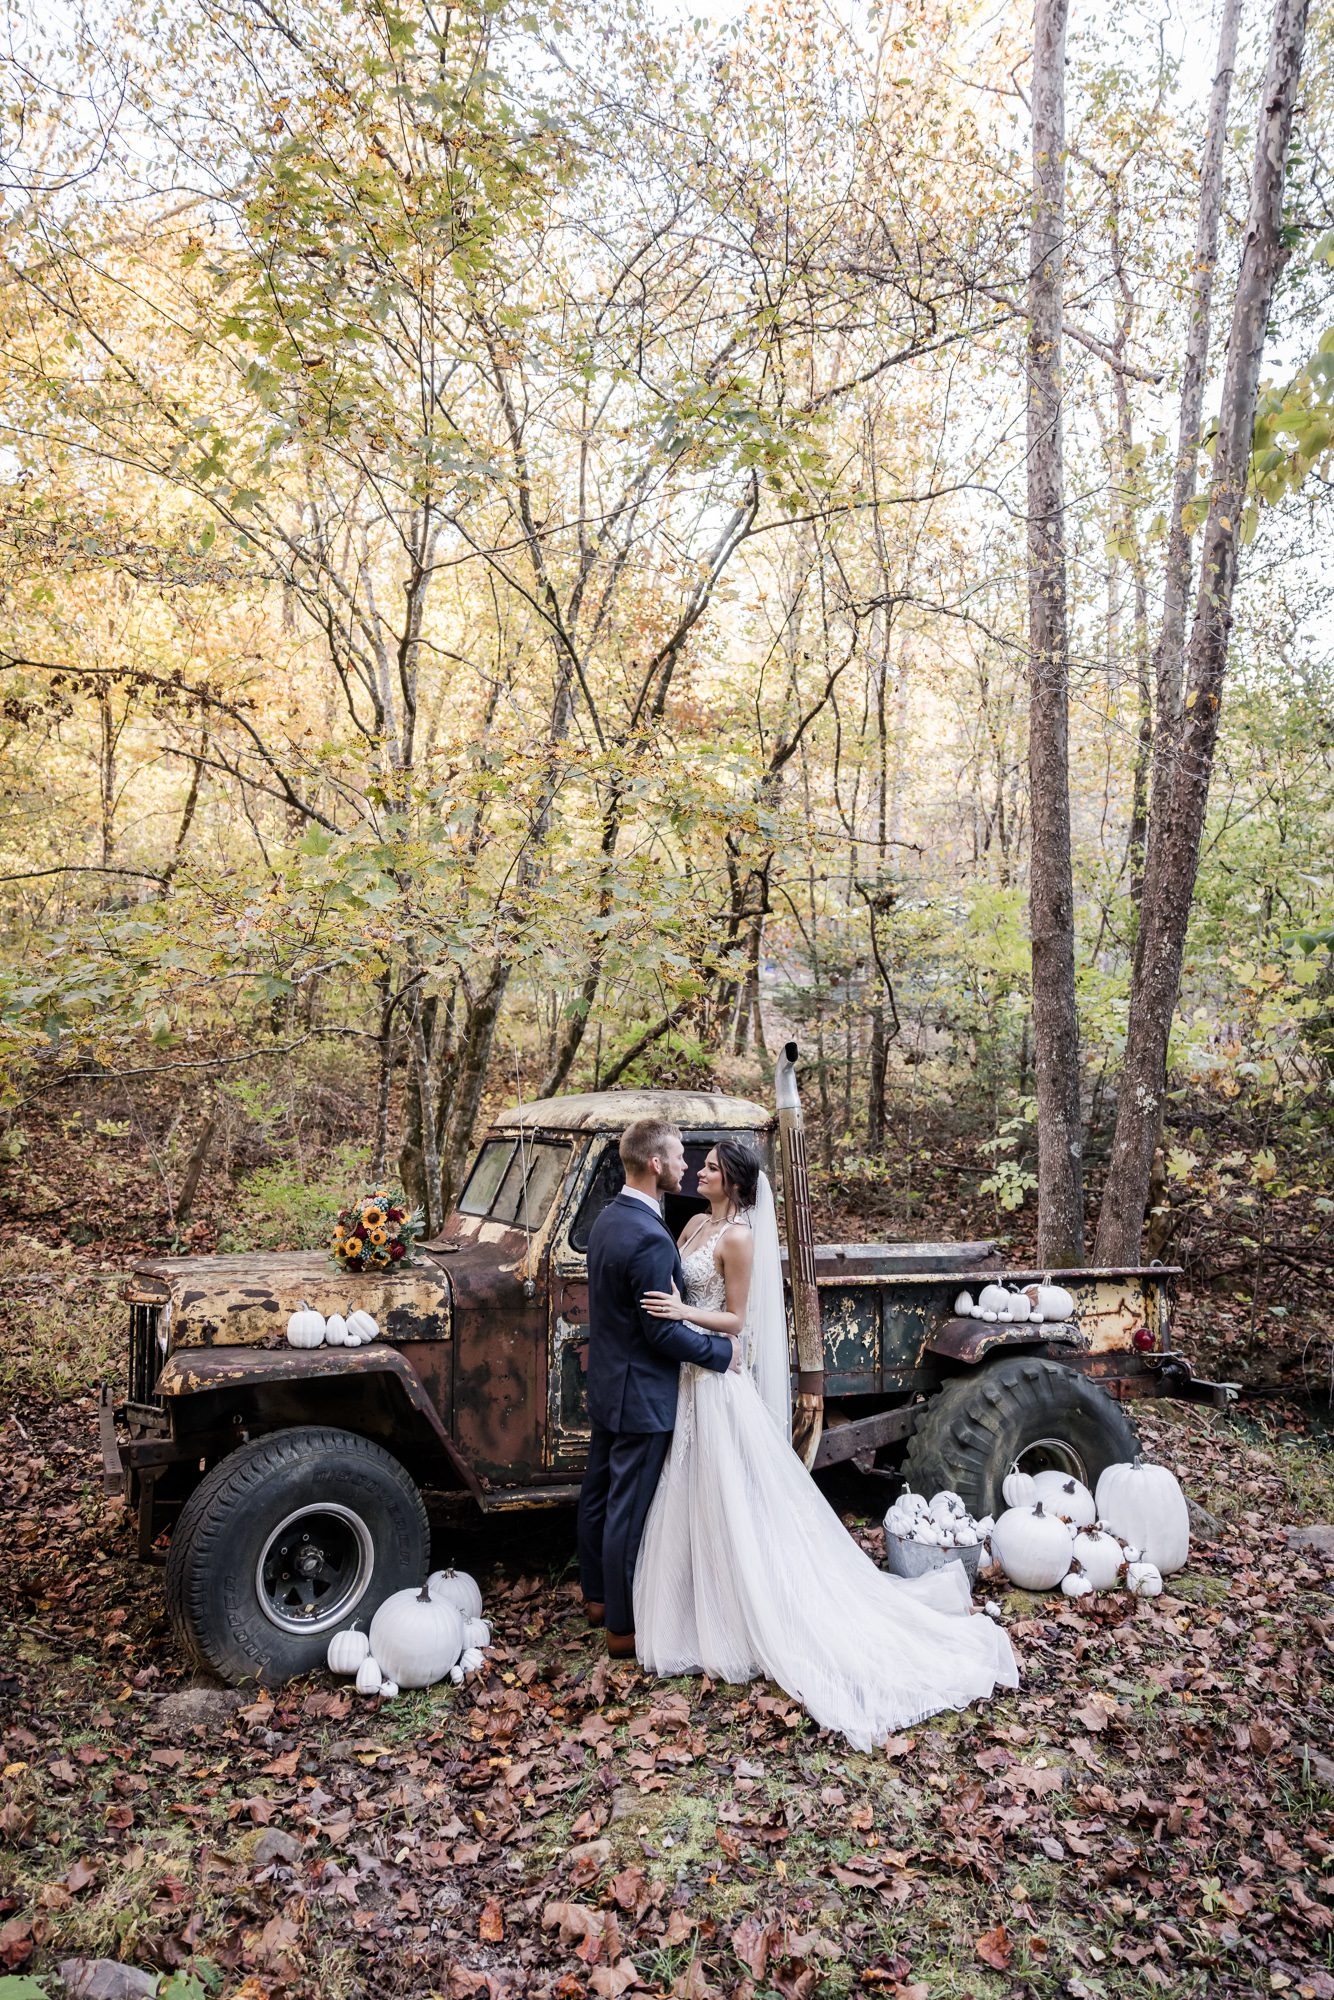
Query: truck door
point(567, 1363)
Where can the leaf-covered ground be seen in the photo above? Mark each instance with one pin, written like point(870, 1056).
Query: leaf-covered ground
point(1151, 1813)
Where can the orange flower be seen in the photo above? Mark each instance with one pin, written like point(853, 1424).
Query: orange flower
point(372, 1217)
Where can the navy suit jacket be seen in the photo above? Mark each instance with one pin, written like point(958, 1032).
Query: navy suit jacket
point(634, 1360)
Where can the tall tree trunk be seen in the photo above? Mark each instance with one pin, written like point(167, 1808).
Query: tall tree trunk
point(1178, 815)
point(1051, 891)
point(1171, 638)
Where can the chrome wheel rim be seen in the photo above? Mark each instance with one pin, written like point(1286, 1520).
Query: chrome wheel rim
point(1053, 1455)
point(314, 1568)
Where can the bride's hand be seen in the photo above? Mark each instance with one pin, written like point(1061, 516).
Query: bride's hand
point(663, 1305)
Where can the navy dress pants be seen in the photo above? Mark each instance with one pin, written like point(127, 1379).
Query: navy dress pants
point(614, 1499)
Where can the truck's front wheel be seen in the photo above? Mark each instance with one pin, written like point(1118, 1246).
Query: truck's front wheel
point(1023, 1410)
point(285, 1542)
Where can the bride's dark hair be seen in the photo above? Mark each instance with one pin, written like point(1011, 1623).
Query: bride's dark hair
point(740, 1166)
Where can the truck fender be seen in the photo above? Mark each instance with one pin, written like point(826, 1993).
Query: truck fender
point(197, 1371)
point(969, 1341)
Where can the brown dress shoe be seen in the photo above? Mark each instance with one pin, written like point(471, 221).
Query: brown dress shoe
point(594, 1612)
point(621, 1645)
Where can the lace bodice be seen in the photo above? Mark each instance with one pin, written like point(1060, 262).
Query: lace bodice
point(704, 1281)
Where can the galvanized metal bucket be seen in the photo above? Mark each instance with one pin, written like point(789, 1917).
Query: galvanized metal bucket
point(905, 1558)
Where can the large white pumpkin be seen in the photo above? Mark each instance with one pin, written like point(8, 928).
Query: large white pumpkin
point(1145, 1505)
point(416, 1637)
point(456, 1587)
point(1060, 1494)
point(1033, 1547)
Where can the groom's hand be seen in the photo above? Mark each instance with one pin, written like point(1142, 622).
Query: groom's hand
point(734, 1365)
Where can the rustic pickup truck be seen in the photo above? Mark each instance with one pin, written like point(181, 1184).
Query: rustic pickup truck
point(292, 1481)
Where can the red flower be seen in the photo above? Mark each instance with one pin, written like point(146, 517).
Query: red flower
point(395, 1251)
point(395, 1215)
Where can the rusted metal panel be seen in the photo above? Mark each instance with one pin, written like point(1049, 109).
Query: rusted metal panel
point(247, 1301)
point(843, 1441)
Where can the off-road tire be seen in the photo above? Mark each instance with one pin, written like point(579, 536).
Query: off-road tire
point(213, 1596)
point(975, 1428)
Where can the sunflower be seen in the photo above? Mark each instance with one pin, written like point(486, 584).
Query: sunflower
point(379, 1236)
point(372, 1217)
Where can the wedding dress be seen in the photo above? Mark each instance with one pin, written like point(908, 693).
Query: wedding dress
point(745, 1570)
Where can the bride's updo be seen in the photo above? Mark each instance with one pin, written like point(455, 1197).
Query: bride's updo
point(741, 1166)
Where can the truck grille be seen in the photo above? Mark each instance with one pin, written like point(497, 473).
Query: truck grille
point(145, 1355)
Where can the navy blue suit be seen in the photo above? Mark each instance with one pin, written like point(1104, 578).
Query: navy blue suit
point(634, 1364)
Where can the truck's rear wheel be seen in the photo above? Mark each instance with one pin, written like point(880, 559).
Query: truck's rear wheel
point(285, 1542)
point(1024, 1410)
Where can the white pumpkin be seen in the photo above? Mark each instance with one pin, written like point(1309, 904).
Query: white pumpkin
point(387, 1690)
point(362, 1325)
point(416, 1637)
point(456, 1587)
point(1060, 1494)
point(1145, 1505)
point(988, 1313)
point(1076, 1584)
point(305, 1328)
point(963, 1305)
point(1143, 1580)
point(945, 1507)
point(471, 1659)
point(1052, 1301)
point(1032, 1546)
point(347, 1650)
point(992, 1297)
point(476, 1632)
point(1100, 1556)
point(1017, 1488)
point(369, 1677)
point(335, 1330)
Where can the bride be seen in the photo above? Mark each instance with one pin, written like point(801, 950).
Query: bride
point(745, 1570)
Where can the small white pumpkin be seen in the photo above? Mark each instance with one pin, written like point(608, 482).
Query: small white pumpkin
point(335, 1330)
point(1063, 1495)
point(1017, 1488)
point(1145, 1505)
point(362, 1325)
point(1143, 1580)
point(471, 1659)
point(369, 1677)
point(1100, 1556)
point(387, 1690)
point(963, 1305)
point(1076, 1584)
point(416, 1637)
point(306, 1327)
point(945, 1507)
point(347, 1650)
point(992, 1297)
point(476, 1632)
point(1032, 1546)
point(456, 1675)
point(456, 1587)
point(989, 1314)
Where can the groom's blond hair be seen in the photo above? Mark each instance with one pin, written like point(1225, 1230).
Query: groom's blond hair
point(644, 1141)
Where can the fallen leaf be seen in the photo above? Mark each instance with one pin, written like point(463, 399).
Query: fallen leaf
point(491, 1923)
point(995, 1949)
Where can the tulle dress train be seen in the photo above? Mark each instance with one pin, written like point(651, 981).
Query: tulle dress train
point(745, 1571)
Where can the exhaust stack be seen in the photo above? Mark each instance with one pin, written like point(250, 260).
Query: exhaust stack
point(808, 1415)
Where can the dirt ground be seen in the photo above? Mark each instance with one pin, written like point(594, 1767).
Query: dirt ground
point(1152, 1812)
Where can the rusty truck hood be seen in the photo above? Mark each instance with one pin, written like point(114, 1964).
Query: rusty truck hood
point(247, 1301)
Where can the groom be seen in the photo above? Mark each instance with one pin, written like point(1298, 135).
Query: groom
point(634, 1363)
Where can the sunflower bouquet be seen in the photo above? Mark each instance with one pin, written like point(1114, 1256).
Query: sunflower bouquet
point(376, 1234)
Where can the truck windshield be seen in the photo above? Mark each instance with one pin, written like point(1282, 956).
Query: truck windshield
point(515, 1183)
